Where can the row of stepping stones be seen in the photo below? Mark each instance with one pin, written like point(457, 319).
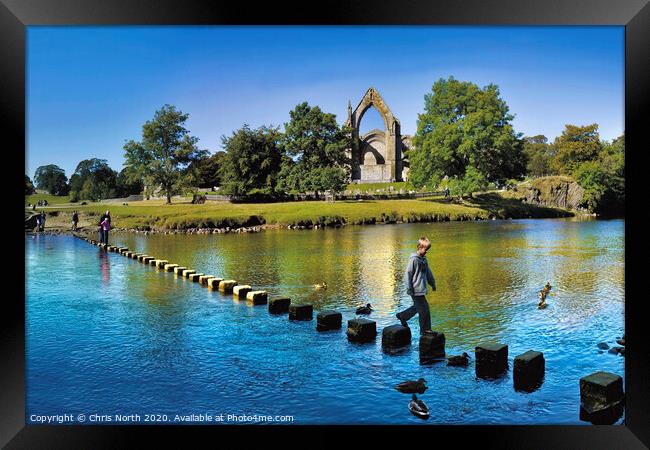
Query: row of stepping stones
point(601, 393)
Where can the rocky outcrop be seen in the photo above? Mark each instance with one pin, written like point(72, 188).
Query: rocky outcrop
point(554, 192)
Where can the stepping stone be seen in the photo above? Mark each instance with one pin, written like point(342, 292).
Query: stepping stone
point(361, 330)
point(179, 270)
point(136, 255)
point(257, 297)
point(241, 291)
point(279, 305)
point(147, 259)
point(301, 312)
point(195, 277)
point(170, 267)
point(491, 360)
point(153, 261)
point(432, 347)
point(328, 320)
point(214, 282)
point(127, 254)
point(395, 336)
point(601, 398)
point(205, 279)
point(528, 371)
point(188, 272)
point(160, 263)
point(226, 286)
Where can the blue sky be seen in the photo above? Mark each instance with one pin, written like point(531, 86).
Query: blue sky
point(89, 89)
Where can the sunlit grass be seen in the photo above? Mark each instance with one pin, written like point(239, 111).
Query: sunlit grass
point(156, 214)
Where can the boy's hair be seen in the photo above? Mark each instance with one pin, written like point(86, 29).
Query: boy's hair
point(424, 242)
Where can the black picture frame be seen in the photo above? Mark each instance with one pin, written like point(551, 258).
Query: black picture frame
point(15, 15)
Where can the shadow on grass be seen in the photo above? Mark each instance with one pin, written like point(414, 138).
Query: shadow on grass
point(504, 208)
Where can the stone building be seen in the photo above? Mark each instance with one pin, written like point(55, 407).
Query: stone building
point(377, 156)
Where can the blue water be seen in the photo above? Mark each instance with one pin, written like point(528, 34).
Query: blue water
point(108, 335)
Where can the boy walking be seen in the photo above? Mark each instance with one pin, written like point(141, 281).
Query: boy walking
point(417, 275)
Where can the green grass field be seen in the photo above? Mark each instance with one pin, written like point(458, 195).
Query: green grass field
point(51, 199)
point(365, 187)
point(155, 214)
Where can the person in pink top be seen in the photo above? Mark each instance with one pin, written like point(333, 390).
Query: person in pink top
point(106, 226)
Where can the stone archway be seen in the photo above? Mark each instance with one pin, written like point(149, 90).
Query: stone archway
point(388, 156)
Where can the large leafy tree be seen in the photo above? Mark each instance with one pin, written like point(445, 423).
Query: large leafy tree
point(206, 170)
point(316, 148)
point(251, 162)
point(603, 178)
point(127, 184)
point(51, 178)
point(465, 126)
point(576, 144)
point(93, 179)
point(539, 154)
point(29, 186)
point(164, 153)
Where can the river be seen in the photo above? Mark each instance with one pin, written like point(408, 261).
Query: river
point(108, 335)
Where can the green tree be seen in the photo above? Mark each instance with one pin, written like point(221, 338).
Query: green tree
point(539, 154)
point(472, 181)
point(51, 178)
point(463, 125)
point(29, 186)
point(251, 162)
point(95, 179)
point(206, 170)
point(166, 150)
point(127, 184)
point(576, 144)
point(316, 146)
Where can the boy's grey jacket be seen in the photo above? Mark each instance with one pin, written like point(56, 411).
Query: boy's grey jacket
point(417, 275)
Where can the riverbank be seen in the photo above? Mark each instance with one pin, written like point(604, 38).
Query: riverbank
point(156, 216)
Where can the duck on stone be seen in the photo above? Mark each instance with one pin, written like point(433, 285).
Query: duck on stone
point(364, 309)
point(458, 361)
point(418, 408)
point(411, 387)
point(322, 285)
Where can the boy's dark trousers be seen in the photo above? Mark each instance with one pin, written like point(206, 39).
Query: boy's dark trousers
point(421, 308)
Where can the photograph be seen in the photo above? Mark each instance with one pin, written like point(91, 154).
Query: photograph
point(280, 225)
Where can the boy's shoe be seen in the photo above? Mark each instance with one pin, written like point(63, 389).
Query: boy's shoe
point(402, 321)
point(427, 332)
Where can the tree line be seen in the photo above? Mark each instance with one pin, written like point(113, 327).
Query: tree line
point(464, 141)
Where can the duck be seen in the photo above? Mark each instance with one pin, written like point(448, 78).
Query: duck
point(364, 309)
point(410, 387)
point(418, 408)
point(458, 361)
point(621, 341)
point(322, 285)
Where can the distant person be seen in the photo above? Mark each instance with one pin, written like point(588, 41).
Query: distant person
point(100, 228)
point(75, 220)
point(38, 222)
point(34, 207)
point(105, 226)
point(42, 220)
point(446, 191)
point(417, 275)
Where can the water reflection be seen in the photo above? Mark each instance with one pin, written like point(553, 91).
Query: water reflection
point(104, 266)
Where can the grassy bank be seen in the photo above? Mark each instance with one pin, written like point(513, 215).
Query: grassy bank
point(154, 214)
